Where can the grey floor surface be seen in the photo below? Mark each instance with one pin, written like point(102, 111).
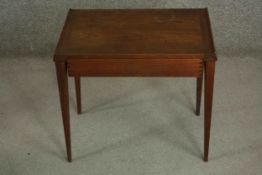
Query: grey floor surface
point(135, 126)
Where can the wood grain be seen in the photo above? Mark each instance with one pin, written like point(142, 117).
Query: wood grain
point(133, 32)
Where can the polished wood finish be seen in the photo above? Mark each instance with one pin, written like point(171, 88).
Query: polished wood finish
point(209, 84)
point(137, 42)
point(199, 93)
point(78, 94)
point(135, 67)
point(135, 33)
point(61, 72)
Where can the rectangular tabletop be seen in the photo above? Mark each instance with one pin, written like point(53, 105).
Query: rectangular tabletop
point(136, 33)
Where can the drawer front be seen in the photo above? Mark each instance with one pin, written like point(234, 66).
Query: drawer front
point(135, 67)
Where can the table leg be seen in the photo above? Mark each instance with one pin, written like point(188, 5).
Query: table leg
point(61, 71)
point(209, 84)
point(78, 93)
point(199, 93)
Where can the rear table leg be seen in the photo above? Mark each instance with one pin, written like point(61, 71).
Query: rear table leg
point(199, 93)
point(78, 93)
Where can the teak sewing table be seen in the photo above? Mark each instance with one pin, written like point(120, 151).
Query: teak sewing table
point(136, 42)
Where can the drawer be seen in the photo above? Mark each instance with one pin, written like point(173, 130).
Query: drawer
point(135, 67)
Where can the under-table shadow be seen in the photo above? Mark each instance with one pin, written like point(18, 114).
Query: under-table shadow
point(112, 103)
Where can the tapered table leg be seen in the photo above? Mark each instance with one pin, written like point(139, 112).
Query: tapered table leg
point(199, 93)
point(209, 84)
point(78, 93)
point(61, 71)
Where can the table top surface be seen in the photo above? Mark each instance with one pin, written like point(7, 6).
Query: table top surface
point(135, 33)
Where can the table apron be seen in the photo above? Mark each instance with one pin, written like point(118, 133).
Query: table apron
point(135, 67)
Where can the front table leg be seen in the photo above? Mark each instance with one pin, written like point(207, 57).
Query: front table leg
point(209, 84)
point(61, 71)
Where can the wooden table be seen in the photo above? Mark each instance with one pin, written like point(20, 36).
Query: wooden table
point(137, 42)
